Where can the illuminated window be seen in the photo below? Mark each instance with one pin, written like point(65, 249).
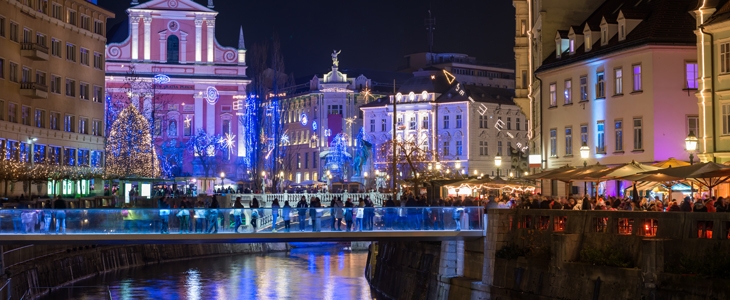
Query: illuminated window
point(568, 92)
point(525, 222)
point(638, 134)
point(619, 135)
point(543, 223)
point(446, 148)
point(601, 137)
point(649, 227)
point(568, 141)
point(625, 226)
point(583, 88)
point(691, 75)
point(483, 148)
point(446, 122)
point(600, 86)
point(458, 121)
point(637, 77)
point(553, 95)
point(553, 142)
point(724, 55)
point(704, 229)
point(173, 49)
point(372, 125)
point(559, 223)
point(600, 225)
point(618, 81)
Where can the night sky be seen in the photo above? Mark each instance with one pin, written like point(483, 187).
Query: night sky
point(373, 34)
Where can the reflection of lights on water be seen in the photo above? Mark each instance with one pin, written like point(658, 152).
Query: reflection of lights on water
point(192, 283)
point(341, 260)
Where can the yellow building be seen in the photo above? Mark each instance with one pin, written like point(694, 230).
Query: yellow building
point(52, 87)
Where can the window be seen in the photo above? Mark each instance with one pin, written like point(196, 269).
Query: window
point(2, 113)
point(499, 148)
point(69, 157)
point(40, 77)
point(601, 137)
point(84, 56)
point(625, 226)
point(68, 123)
point(458, 121)
point(334, 109)
point(314, 164)
point(638, 134)
point(96, 128)
point(619, 132)
point(70, 87)
point(40, 118)
point(172, 127)
point(724, 54)
point(458, 148)
point(96, 158)
point(619, 81)
point(2, 68)
point(446, 122)
point(483, 148)
point(40, 39)
point(553, 142)
point(25, 115)
point(637, 77)
point(553, 95)
point(571, 45)
point(39, 155)
point(517, 123)
point(55, 84)
point(2, 26)
point(372, 125)
point(98, 94)
point(704, 229)
point(583, 88)
point(188, 125)
point(98, 27)
point(693, 125)
point(306, 160)
point(412, 123)
point(650, 227)
point(71, 52)
point(226, 127)
point(25, 75)
point(383, 124)
point(691, 75)
point(483, 122)
point(157, 130)
point(524, 79)
point(13, 72)
point(726, 119)
point(84, 91)
point(588, 40)
point(56, 11)
point(83, 159)
point(600, 86)
point(523, 28)
point(98, 62)
point(623, 32)
point(173, 49)
point(71, 17)
point(559, 223)
point(27, 33)
point(86, 22)
point(14, 32)
point(84, 125)
point(54, 155)
point(446, 148)
point(55, 118)
point(568, 92)
point(55, 47)
point(604, 36)
point(568, 141)
point(424, 122)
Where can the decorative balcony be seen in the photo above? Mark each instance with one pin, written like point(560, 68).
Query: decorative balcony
point(34, 51)
point(34, 90)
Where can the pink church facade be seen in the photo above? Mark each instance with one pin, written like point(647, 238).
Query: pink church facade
point(171, 45)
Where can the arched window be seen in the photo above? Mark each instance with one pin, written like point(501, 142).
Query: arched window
point(173, 49)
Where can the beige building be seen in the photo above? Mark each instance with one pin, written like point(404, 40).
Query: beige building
point(619, 82)
point(52, 83)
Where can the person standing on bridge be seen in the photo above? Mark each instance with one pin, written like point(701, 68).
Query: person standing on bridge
point(237, 207)
point(302, 213)
point(286, 215)
point(199, 217)
point(60, 206)
point(348, 214)
point(274, 214)
point(359, 214)
point(164, 215)
point(338, 214)
point(213, 215)
point(184, 217)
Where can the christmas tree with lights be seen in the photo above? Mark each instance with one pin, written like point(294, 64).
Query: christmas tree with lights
point(130, 153)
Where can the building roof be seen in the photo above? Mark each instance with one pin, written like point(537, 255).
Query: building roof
point(663, 22)
point(722, 13)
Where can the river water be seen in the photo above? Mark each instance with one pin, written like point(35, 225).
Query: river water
point(306, 273)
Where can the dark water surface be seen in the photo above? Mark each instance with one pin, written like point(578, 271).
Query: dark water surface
point(310, 273)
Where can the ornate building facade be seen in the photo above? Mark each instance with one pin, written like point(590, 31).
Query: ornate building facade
point(166, 61)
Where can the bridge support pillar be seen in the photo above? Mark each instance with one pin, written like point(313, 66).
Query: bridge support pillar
point(498, 226)
point(451, 265)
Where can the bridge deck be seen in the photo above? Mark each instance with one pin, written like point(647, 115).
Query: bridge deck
point(263, 237)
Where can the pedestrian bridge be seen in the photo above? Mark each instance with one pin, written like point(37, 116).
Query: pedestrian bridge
point(200, 225)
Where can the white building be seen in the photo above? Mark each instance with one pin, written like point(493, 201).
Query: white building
point(466, 126)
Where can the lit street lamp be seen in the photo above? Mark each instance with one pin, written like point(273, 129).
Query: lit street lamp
point(690, 144)
point(223, 175)
point(584, 153)
point(498, 163)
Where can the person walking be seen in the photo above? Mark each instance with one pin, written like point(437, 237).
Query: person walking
point(360, 214)
point(348, 214)
point(286, 215)
point(199, 217)
point(60, 206)
point(164, 211)
point(274, 214)
point(458, 212)
point(254, 213)
point(302, 213)
point(184, 217)
point(390, 213)
point(237, 212)
point(338, 214)
point(313, 213)
point(213, 215)
point(369, 214)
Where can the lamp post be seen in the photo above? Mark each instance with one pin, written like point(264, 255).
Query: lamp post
point(263, 182)
point(365, 180)
point(584, 153)
point(223, 175)
point(498, 163)
point(690, 144)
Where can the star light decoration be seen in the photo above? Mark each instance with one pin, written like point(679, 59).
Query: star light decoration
point(349, 121)
point(187, 120)
point(228, 142)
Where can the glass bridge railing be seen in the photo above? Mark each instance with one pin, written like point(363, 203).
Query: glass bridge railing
point(238, 220)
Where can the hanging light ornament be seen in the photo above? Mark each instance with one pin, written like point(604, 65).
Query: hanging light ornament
point(211, 95)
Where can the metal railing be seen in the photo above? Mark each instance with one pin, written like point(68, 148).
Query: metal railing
point(6, 291)
point(239, 220)
point(33, 86)
point(34, 46)
point(377, 198)
point(67, 292)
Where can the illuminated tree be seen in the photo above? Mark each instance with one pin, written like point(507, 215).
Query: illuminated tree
point(415, 162)
point(205, 148)
point(129, 148)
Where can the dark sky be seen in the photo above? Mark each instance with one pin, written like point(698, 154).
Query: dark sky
point(373, 34)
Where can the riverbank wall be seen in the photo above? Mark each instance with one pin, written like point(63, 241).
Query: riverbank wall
point(556, 254)
point(31, 266)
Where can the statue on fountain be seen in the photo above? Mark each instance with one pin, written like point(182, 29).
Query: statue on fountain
point(335, 61)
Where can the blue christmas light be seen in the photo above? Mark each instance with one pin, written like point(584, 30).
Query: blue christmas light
point(314, 125)
point(304, 119)
point(212, 95)
point(161, 79)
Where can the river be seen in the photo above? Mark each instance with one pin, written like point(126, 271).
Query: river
point(306, 273)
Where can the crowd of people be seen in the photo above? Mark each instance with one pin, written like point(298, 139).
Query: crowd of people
point(703, 204)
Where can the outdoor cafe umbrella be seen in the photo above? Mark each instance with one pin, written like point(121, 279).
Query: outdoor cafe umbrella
point(702, 173)
point(671, 163)
point(544, 174)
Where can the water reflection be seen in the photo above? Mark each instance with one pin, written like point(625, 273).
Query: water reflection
point(299, 274)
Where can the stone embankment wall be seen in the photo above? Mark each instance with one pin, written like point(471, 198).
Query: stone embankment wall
point(58, 265)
